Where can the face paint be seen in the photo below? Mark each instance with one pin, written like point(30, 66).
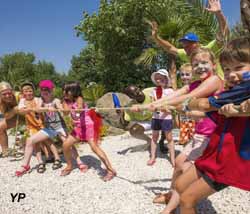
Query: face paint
point(202, 67)
point(245, 76)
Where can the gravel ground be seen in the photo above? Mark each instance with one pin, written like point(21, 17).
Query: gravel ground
point(131, 192)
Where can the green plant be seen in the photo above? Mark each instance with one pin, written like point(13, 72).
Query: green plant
point(93, 92)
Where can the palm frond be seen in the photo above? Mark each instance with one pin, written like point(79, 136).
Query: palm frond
point(147, 57)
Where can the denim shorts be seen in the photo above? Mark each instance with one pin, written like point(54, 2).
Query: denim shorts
point(161, 125)
point(51, 133)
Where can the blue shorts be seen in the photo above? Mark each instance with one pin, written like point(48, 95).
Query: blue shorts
point(161, 125)
point(51, 133)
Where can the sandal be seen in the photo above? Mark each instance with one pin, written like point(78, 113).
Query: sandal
point(65, 172)
point(151, 162)
point(83, 167)
point(50, 160)
point(41, 168)
point(22, 172)
point(162, 198)
point(5, 154)
point(57, 164)
point(109, 176)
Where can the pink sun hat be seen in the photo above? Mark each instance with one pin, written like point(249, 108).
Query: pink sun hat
point(46, 84)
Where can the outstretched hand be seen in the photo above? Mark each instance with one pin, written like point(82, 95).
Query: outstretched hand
point(245, 106)
point(228, 110)
point(214, 6)
point(154, 27)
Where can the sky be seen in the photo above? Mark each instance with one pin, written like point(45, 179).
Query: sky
point(46, 27)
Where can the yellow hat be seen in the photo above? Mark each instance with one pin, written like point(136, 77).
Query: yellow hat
point(4, 85)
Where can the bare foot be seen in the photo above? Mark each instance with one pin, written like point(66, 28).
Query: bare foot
point(162, 198)
point(66, 171)
point(109, 176)
point(151, 162)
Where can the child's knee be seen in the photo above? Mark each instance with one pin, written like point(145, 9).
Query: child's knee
point(29, 142)
point(187, 200)
point(178, 186)
point(66, 146)
point(178, 166)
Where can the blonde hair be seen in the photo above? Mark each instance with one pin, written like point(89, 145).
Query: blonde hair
point(186, 67)
point(236, 50)
point(4, 107)
point(203, 51)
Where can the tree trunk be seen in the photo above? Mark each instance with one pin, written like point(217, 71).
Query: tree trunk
point(173, 70)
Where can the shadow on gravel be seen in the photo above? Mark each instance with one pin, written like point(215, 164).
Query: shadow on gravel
point(94, 163)
point(155, 190)
point(132, 149)
point(206, 207)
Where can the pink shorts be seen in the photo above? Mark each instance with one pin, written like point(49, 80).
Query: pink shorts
point(84, 131)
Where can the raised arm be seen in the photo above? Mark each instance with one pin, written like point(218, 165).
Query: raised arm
point(161, 42)
point(214, 6)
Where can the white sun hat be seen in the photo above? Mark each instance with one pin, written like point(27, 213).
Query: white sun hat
point(162, 72)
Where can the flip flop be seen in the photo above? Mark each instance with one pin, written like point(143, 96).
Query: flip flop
point(41, 168)
point(57, 164)
point(23, 171)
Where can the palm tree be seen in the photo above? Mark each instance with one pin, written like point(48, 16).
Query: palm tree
point(175, 18)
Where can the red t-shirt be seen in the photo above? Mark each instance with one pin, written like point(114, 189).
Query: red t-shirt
point(221, 160)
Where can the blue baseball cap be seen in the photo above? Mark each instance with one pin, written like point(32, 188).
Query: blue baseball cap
point(190, 37)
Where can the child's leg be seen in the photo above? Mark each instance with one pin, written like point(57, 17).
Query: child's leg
point(171, 198)
point(36, 138)
point(155, 136)
point(189, 177)
point(45, 150)
point(3, 136)
point(169, 138)
point(192, 188)
point(53, 149)
point(38, 152)
point(101, 154)
point(83, 167)
point(67, 151)
point(75, 155)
